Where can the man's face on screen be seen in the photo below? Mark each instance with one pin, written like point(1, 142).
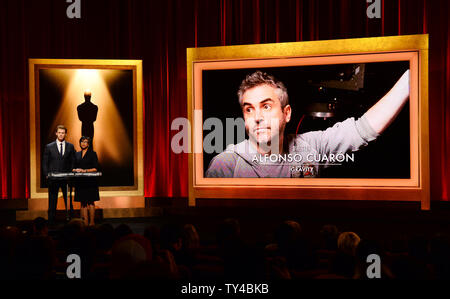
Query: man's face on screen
point(264, 117)
point(61, 134)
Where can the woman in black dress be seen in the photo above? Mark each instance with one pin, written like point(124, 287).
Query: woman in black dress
point(86, 188)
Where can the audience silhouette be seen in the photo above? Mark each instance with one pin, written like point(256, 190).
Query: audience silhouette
point(174, 251)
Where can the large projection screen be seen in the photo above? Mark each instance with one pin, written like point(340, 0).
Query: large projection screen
point(394, 167)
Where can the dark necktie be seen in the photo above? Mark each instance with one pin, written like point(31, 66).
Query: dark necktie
point(61, 152)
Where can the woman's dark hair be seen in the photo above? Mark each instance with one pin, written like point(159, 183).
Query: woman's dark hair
point(85, 138)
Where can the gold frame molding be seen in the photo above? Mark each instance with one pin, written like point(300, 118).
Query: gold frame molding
point(412, 48)
point(35, 164)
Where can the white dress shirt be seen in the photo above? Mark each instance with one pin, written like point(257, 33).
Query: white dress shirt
point(58, 143)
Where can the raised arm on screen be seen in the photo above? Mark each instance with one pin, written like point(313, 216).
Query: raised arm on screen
point(387, 108)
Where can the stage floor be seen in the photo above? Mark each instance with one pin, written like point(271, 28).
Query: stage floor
point(109, 207)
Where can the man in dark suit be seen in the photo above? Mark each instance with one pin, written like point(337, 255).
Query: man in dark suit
point(59, 156)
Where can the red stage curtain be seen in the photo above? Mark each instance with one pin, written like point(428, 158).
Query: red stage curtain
point(159, 33)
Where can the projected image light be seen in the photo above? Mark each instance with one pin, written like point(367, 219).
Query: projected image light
point(101, 99)
point(108, 127)
point(96, 103)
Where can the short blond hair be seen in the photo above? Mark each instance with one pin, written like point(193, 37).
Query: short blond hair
point(61, 127)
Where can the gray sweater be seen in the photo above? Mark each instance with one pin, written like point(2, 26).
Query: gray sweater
point(243, 161)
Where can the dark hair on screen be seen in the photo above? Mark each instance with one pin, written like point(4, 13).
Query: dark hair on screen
point(261, 78)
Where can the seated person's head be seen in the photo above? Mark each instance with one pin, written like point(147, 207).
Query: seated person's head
point(171, 238)
point(153, 233)
point(76, 225)
point(40, 226)
point(347, 243)
point(105, 236)
point(288, 233)
point(229, 230)
point(128, 252)
point(191, 239)
point(122, 230)
point(330, 234)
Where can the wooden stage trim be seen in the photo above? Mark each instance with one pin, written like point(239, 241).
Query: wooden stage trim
point(112, 207)
point(41, 204)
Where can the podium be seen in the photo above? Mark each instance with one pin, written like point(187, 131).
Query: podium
point(71, 178)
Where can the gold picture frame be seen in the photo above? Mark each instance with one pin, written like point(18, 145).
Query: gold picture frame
point(34, 109)
point(412, 48)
